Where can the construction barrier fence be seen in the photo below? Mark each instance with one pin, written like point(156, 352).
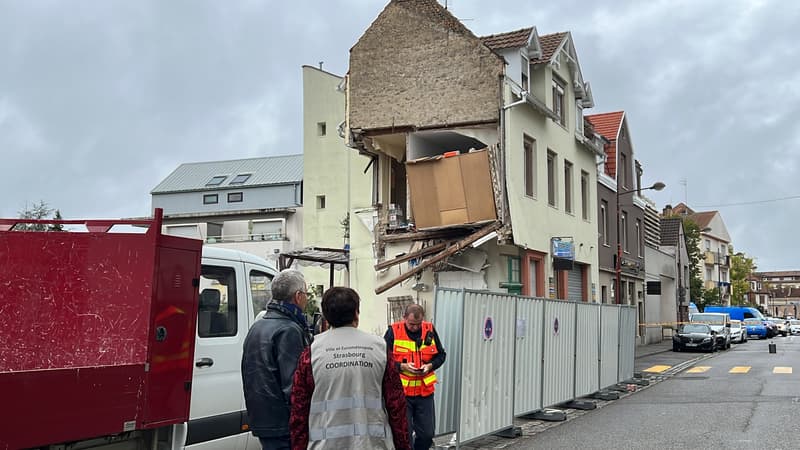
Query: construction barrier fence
point(510, 356)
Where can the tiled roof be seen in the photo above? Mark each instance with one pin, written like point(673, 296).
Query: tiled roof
point(783, 273)
point(607, 124)
point(670, 230)
point(263, 171)
point(512, 39)
point(435, 11)
point(682, 209)
point(549, 43)
point(702, 219)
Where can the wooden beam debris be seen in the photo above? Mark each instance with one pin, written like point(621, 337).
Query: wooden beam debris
point(458, 246)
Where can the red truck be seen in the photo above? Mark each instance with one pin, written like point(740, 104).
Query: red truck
point(97, 334)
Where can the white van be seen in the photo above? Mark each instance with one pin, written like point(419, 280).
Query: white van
point(720, 323)
point(234, 288)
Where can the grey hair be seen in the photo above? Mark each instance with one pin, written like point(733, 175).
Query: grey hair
point(286, 284)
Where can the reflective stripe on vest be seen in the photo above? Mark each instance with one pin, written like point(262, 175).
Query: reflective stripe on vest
point(349, 430)
point(346, 403)
point(405, 350)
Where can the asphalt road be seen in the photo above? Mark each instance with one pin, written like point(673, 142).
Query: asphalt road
point(743, 398)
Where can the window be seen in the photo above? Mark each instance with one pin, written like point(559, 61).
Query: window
point(524, 77)
point(551, 179)
point(624, 231)
point(604, 294)
point(235, 197)
point(568, 187)
point(210, 199)
point(708, 245)
point(241, 178)
point(578, 118)
point(267, 230)
point(623, 171)
point(558, 101)
point(639, 244)
point(723, 249)
point(213, 231)
point(585, 195)
point(191, 231)
point(216, 314)
point(604, 222)
point(322, 128)
point(514, 274)
point(320, 202)
point(261, 290)
point(529, 148)
point(709, 274)
point(217, 180)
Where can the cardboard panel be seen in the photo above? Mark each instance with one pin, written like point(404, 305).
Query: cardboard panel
point(424, 203)
point(451, 191)
point(453, 216)
point(449, 184)
point(478, 186)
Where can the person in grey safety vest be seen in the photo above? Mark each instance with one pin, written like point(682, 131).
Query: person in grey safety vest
point(347, 391)
point(418, 353)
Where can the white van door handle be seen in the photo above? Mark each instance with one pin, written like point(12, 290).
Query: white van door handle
point(204, 362)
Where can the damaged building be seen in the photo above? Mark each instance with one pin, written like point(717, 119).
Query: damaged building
point(482, 170)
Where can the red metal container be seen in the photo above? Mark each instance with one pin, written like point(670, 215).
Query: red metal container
point(97, 330)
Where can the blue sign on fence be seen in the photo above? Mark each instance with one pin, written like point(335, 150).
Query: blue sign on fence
point(488, 328)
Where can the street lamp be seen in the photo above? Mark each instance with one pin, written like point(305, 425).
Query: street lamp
point(657, 186)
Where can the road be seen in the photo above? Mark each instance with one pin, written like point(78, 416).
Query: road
point(743, 398)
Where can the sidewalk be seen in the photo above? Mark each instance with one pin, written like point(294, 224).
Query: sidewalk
point(642, 350)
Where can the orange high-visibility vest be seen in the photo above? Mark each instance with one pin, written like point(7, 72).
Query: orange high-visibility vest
point(406, 351)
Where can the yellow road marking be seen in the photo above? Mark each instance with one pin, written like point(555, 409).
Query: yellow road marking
point(782, 370)
point(698, 369)
point(658, 369)
point(740, 369)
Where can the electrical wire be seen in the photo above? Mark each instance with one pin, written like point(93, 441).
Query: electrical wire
point(753, 202)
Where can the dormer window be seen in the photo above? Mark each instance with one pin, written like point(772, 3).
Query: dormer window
point(217, 180)
point(241, 178)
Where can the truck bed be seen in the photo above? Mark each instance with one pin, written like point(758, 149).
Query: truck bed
point(97, 331)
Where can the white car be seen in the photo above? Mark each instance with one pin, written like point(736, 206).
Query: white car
point(738, 331)
point(794, 326)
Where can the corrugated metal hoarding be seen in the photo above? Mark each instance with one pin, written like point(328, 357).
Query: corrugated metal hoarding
point(449, 324)
point(609, 345)
point(587, 349)
point(627, 341)
point(559, 352)
point(528, 365)
point(487, 364)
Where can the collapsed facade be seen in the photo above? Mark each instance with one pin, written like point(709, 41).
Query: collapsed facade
point(483, 169)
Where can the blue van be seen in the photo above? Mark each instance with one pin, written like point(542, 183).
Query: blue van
point(736, 312)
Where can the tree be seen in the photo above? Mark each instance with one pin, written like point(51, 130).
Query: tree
point(710, 297)
point(691, 232)
point(56, 226)
point(37, 211)
point(741, 268)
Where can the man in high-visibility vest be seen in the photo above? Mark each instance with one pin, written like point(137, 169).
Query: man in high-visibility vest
point(418, 352)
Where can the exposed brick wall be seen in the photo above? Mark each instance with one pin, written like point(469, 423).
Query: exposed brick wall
point(412, 68)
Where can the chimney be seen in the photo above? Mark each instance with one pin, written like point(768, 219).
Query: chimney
point(667, 212)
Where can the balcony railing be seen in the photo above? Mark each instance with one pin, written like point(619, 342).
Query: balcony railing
point(247, 237)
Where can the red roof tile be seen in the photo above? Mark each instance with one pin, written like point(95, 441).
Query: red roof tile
point(607, 124)
point(511, 39)
point(549, 43)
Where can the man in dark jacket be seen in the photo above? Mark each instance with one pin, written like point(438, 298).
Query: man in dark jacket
point(271, 350)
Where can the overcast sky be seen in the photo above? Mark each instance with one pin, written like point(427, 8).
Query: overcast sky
point(100, 100)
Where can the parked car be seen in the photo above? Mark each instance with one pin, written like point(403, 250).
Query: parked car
point(719, 322)
point(694, 336)
point(780, 326)
point(738, 332)
point(794, 326)
point(755, 327)
point(772, 329)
